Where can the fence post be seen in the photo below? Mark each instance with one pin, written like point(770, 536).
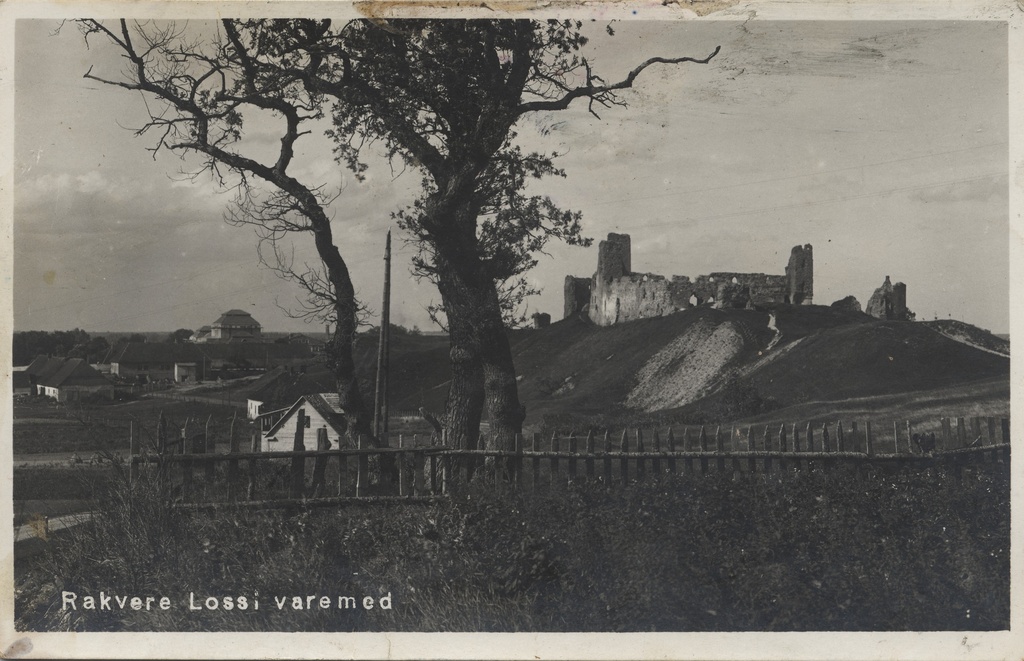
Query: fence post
point(624, 460)
point(783, 447)
point(590, 455)
point(826, 447)
point(161, 444)
point(751, 445)
point(671, 441)
point(961, 434)
point(419, 467)
point(535, 473)
point(840, 437)
point(656, 461)
point(250, 491)
point(946, 434)
point(362, 467)
point(869, 440)
point(895, 437)
point(133, 450)
point(855, 443)
point(233, 464)
point(703, 438)
point(719, 450)
point(796, 438)
point(607, 458)
point(767, 442)
point(343, 477)
point(403, 477)
point(572, 461)
point(641, 470)
point(209, 447)
point(323, 444)
point(553, 474)
point(297, 475)
point(517, 464)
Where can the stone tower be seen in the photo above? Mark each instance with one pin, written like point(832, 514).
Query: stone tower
point(613, 258)
point(800, 276)
point(613, 263)
point(889, 302)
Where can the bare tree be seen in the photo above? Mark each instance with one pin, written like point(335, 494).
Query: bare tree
point(197, 90)
point(444, 97)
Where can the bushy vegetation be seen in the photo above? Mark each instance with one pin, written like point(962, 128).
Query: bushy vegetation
point(796, 552)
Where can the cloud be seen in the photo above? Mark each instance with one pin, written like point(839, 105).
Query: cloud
point(982, 189)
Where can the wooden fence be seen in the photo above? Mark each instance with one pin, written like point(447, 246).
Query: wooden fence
point(196, 476)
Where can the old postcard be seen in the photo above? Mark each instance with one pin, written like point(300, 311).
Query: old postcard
point(571, 330)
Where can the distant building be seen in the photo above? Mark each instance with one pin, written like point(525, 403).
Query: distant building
point(232, 326)
point(159, 361)
point(66, 380)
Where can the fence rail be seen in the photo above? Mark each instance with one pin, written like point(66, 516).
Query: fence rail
point(196, 476)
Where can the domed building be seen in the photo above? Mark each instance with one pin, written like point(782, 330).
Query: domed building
point(231, 327)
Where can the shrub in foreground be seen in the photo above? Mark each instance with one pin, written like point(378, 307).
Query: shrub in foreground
point(795, 552)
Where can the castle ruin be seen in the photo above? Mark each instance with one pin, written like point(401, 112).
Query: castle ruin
point(616, 294)
point(889, 302)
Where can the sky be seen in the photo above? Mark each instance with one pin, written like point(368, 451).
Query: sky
point(882, 144)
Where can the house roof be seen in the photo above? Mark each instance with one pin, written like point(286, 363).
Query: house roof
point(325, 403)
point(155, 352)
point(74, 372)
point(43, 366)
point(280, 387)
point(236, 318)
point(253, 351)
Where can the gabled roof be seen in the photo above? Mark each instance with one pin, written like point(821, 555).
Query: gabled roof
point(325, 403)
point(43, 366)
point(74, 372)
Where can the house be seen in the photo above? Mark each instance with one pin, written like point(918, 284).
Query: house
point(315, 345)
point(153, 361)
point(73, 379)
point(322, 411)
point(156, 361)
point(232, 326)
point(41, 367)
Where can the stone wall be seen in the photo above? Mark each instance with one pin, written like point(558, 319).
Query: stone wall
point(889, 302)
point(577, 295)
point(617, 294)
point(800, 275)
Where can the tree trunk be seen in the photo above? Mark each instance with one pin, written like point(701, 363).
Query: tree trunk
point(350, 397)
point(478, 337)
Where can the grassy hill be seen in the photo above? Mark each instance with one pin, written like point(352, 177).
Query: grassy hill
point(706, 366)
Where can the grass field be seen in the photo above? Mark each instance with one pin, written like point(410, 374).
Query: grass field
point(801, 552)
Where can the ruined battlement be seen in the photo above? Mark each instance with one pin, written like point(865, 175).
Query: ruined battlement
point(617, 294)
point(889, 302)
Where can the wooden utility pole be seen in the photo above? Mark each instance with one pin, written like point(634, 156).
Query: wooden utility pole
point(380, 402)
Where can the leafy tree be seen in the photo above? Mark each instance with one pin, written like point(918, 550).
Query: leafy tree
point(202, 88)
point(441, 96)
point(444, 97)
point(179, 336)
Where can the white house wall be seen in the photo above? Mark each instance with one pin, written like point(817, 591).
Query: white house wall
point(285, 434)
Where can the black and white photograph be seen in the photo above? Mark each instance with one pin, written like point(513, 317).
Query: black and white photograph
point(631, 330)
